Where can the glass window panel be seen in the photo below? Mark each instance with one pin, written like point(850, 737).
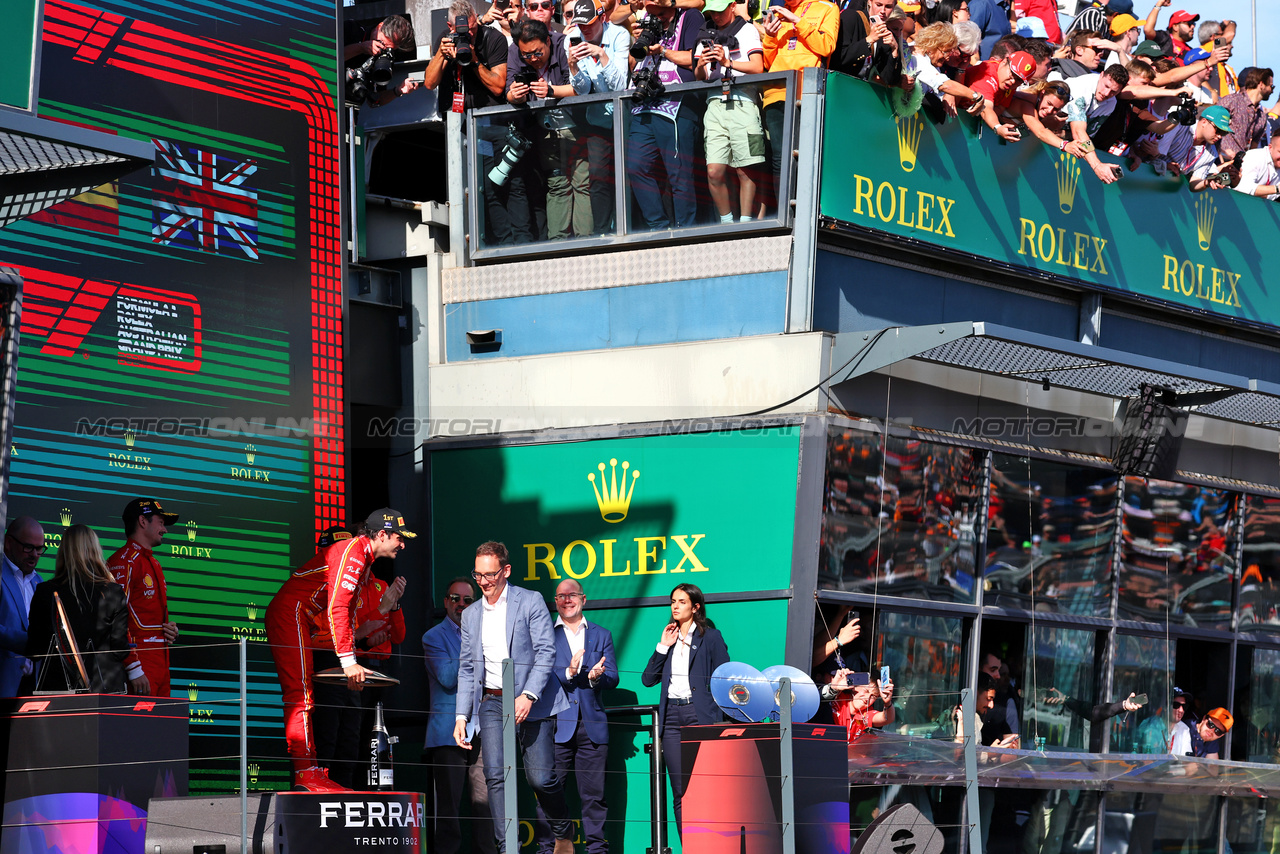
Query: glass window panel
point(1060, 690)
point(1143, 821)
point(1144, 665)
point(1177, 553)
point(1253, 826)
point(1263, 726)
point(1260, 581)
point(925, 656)
point(901, 523)
point(1050, 536)
point(545, 174)
point(1042, 822)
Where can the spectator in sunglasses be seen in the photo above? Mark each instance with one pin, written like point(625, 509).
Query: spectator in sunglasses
point(544, 11)
point(1203, 739)
point(455, 773)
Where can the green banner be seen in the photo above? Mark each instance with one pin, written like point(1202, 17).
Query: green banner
point(960, 187)
point(627, 517)
point(17, 61)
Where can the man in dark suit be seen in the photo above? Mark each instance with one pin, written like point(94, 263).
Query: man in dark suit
point(586, 667)
point(511, 622)
point(23, 545)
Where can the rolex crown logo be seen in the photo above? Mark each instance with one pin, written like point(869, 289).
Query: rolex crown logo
point(193, 691)
point(252, 610)
point(192, 528)
point(129, 438)
point(65, 515)
point(1068, 169)
point(910, 129)
point(254, 769)
point(249, 453)
point(612, 499)
point(1206, 215)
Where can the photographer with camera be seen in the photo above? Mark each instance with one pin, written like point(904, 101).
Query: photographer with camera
point(664, 130)
point(367, 57)
point(728, 49)
point(598, 62)
point(538, 68)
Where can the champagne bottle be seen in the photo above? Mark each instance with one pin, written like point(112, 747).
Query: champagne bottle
point(381, 772)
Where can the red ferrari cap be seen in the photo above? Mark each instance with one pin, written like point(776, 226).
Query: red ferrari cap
point(1022, 64)
point(1183, 15)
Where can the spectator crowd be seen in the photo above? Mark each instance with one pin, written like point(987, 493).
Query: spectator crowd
point(1157, 91)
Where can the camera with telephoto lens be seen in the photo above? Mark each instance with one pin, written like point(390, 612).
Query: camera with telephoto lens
point(463, 53)
point(367, 81)
point(1185, 112)
point(651, 32)
point(514, 147)
point(646, 85)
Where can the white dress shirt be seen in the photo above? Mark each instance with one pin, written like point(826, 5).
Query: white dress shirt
point(679, 688)
point(577, 643)
point(493, 638)
point(1258, 170)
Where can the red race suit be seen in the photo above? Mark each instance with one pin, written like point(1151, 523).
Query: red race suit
point(367, 609)
point(136, 570)
point(335, 621)
point(289, 630)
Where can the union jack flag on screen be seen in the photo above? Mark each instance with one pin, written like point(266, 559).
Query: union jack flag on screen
point(201, 201)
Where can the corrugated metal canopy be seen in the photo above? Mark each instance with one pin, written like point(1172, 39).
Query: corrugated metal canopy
point(1018, 354)
point(44, 162)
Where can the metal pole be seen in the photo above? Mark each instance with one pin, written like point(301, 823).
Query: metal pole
point(968, 714)
point(659, 808)
point(1253, 28)
point(788, 768)
point(509, 795)
point(244, 745)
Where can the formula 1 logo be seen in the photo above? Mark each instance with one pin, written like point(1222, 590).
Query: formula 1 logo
point(33, 706)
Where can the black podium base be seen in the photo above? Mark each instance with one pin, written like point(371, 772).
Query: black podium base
point(289, 823)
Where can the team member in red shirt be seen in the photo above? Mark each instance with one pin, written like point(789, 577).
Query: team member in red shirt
point(997, 80)
point(289, 634)
point(135, 568)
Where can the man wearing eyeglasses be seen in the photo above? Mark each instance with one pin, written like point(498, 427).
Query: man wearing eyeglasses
point(512, 622)
point(586, 667)
point(1203, 738)
point(454, 770)
point(23, 545)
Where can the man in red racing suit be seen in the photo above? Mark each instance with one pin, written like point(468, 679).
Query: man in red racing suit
point(136, 570)
point(289, 629)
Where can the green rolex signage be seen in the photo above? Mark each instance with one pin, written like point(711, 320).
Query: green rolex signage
point(626, 517)
point(17, 61)
point(959, 186)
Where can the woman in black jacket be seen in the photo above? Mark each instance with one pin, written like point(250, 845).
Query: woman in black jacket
point(690, 650)
point(96, 614)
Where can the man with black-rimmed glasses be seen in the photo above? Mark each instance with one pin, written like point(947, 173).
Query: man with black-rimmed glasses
point(23, 546)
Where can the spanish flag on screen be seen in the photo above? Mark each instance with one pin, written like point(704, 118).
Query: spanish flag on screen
point(97, 210)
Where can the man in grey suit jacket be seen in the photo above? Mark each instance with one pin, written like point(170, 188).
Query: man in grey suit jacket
point(511, 622)
point(23, 545)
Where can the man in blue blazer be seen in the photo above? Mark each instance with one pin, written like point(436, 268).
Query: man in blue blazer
point(511, 622)
point(586, 667)
point(454, 771)
point(23, 545)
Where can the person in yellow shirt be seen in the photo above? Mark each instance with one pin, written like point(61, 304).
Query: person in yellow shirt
point(799, 34)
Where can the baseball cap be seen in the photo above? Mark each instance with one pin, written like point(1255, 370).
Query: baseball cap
point(1194, 55)
point(909, 7)
point(140, 507)
point(1182, 15)
point(1222, 717)
point(1031, 27)
point(584, 12)
point(1219, 117)
point(1022, 65)
point(1121, 7)
point(388, 520)
point(1121, 24)
point(1150, 48)
point(331, 535)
